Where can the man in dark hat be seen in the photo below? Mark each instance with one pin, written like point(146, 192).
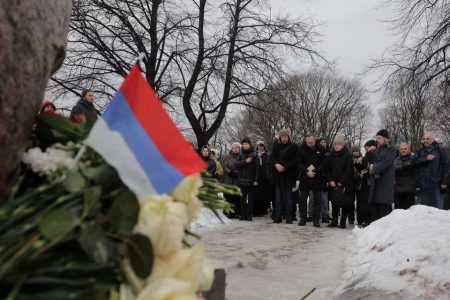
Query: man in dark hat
point(84, 109)
point(383, 169)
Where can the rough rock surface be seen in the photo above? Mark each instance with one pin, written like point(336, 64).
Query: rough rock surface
point(33, 37)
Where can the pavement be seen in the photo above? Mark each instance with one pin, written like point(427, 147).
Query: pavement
point(266, 261)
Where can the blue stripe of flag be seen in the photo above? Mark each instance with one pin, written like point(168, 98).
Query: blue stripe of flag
point(119, 117)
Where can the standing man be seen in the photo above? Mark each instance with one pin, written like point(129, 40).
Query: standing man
point(431, 161)
point(284, 156)
point(311, 160)
point(383, 170)
point(84, 109)
point(405, 178)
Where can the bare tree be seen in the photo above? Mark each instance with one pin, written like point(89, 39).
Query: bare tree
point(319, 101)
point(203, 55)
point(408, 112)
point(422, 51)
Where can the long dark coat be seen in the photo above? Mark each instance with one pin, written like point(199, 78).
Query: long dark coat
point(383, 167)
point(247, 171)
point(85, 108)
point(405, 175)
point(432, 173)
point(285, 155)
point(339, 168)
point(315, 157)
point(230, 171)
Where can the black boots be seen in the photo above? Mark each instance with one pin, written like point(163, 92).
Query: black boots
point(333, 223)
point(289, 220)
point(277, 220)
point(302, 222)
point(316, 223)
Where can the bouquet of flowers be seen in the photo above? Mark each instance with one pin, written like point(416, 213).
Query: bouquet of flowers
point(72, 230)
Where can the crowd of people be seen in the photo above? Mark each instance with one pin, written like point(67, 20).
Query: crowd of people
point(310, 176)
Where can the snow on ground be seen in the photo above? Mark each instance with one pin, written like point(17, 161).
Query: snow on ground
point(207, 218)
point(266, 261)
point(405, 255)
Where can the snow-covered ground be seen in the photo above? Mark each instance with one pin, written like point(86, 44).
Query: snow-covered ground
point(207, 219)
point(405, 255)
point(267, 261)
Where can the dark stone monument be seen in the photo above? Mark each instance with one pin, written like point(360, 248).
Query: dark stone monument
point(33, 38)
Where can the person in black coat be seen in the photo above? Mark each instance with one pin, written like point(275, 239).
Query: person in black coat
point(284, 157)
point(405, 178)
point(84, 109)
point(262, 179)
point(383, 170)
point(206, 156)
point(431, 161)
point(311, 158)
point(339, 169)
point(247, 178)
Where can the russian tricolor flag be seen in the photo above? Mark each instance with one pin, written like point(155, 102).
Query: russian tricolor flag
point(137, 137)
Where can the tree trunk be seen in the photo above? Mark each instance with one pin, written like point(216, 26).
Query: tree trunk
point(33, 36)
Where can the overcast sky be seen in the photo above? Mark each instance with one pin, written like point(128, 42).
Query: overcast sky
point(353, 32)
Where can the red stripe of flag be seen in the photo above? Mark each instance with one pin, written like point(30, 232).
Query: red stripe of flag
point(152, 116)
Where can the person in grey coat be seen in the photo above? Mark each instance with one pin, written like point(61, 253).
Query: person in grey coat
point(383, 169)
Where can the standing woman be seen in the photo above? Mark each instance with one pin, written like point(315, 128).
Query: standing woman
point(231, 176)
point(206, 156)
point(383, 170)
point(262, 180)
point(246, 180)
point(340, 179)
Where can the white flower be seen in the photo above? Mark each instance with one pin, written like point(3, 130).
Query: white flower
point(48, 162)
point(188, 264)
point(167, 289)
point(164, 222)
point(186, 191)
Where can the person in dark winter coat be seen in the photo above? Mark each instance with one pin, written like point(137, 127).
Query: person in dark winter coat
point(363, 190)
point(325, 196)
point(383, 169)
point(357, 178)
point(311, 160)
point(263, 175)
point(247, 178)
point(447, 180)
point(206, 156)
point(284, 157)
point(84, 109)
point(431, 162)
point(231, 174)
point(405, 178)
point(339, 169)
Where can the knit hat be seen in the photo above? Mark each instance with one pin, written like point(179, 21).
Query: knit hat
point(339, 139)
point(260, 143)
point(383, 133)
point(237, 144)
point(284, 131)
point(246, 140)
point(356, 148)
point(370, 143)
point(83, 94)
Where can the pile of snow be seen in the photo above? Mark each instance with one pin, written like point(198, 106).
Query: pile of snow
point(207, 218)
point(405, 255)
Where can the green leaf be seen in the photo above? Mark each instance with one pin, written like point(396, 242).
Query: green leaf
point(95, 243)
point(61, 125)
point(57, 223)
point(91, 195)
point(104, 174)
point(74, 182)
point(124, 212)
point(141, 254)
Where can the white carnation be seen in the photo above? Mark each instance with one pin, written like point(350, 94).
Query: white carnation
point(48, 162)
